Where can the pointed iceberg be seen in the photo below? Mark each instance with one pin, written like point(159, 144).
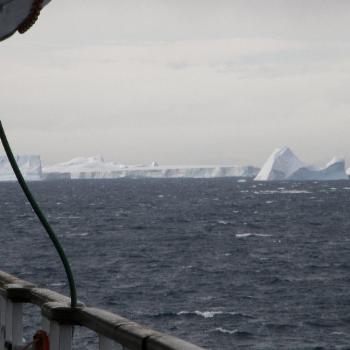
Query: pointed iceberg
point(283, 164)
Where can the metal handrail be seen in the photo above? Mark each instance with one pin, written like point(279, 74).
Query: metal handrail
point(56, 307)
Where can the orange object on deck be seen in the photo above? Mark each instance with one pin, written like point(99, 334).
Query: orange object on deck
point(41, 340)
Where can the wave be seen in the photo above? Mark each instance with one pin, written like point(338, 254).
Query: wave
point(211, 314)
point(235, 332)
point(83, 234)
point(249, 234)
point(223, 222)
point(282, 192)
point(281, 327)
point(225, 331)
point(58, 284)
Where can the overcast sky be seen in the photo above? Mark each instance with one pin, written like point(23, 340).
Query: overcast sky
point(180, 81)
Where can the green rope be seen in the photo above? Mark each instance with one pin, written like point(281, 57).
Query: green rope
point(40, 215)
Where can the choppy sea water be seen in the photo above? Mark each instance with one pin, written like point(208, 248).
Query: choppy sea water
point(224, 264)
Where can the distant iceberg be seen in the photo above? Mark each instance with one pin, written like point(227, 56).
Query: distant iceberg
point(82, 167)
point(30, 166)
point(97, 168)
point(283, 164)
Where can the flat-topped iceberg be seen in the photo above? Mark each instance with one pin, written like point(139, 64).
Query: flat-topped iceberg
point(189, 172)
point(97, 168)
point(82, 167)
point(283, 164)
point(30, 166)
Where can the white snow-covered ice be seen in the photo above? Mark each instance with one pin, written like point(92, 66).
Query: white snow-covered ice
point(82, 167)
point(283, 164)
point(30, 166)
point(97, 168)
point(334, 170)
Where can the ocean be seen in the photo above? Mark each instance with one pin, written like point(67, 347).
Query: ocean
point(222, 263)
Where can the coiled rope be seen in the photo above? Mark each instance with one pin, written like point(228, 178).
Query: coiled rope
point(40, 215)
point(33, 16)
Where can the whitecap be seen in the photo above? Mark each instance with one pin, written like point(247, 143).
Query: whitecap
point(225, 331)
point(295, 191)
point(223, 222)
point(337, 333)
point(187, 267)
point(249, 234)
point(58, 284)
point(282, 191)
point(83, 234)
point(206, 314)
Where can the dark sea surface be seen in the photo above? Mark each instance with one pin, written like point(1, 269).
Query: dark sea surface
point(221, 263)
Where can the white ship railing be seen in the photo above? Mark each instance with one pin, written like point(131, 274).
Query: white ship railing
point(58, 319)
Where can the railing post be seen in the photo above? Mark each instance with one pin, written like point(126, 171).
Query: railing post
point(14, 323)
point(106, 343)
point(45, 324)
point(58, 322)
point(2, 322)
point(60, 336)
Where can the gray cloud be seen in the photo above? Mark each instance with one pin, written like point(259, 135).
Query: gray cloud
point(181, 82)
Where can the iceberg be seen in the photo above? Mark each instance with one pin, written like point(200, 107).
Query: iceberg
point(30, 166)
point(189, 172)
point(96, 168)
point(82, 167)
point(334, 170)
point(283, 164)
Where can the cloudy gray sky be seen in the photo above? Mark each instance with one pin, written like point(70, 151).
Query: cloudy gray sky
point(181, 82)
